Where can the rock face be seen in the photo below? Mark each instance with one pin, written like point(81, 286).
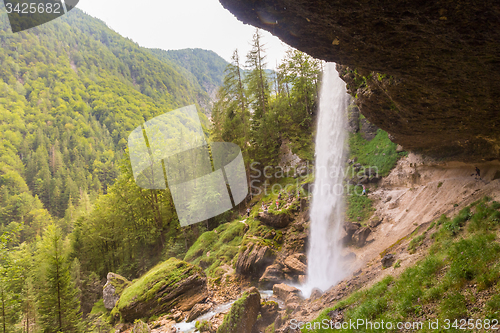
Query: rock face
point(272, 275)
point(274, 221)
point(360, 236)
point(427, 72)
point(140, 327)
point(388, 260)
point(172, 283)
point(198, 310)
point(112, 290)
point(296, 264)
point(284, 291)
point(243, 314)
point(254, 260)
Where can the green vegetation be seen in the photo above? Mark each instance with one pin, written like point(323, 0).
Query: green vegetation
point(459, 258)
point(359, 207)
point(379, 153)
point(162, 275)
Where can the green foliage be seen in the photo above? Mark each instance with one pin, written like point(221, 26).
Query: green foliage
point(358, 206)
point(415, 243)
point(453, 306)
point(58, 303)
point(379, 153)
point(162, 275)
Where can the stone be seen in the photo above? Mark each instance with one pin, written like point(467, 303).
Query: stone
point(173, 283)
point(360, 236)
point(113, 288)
point(388, 260)
point(294, 263)
point(269, 310)
point(351, 228)
point(302, 279)
point(275, 221)
point(375, 221)
point(315, 294)
point(140, 327)
point(353, 119)
point(308, 187)
point(272, 275)
point(243, 314)
point(198, 310)
point(284, 291)
point(254, 260)
point(399, 148)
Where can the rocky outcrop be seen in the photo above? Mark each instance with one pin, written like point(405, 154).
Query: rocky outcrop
point(253, 260)
point(285, 292)
point(197, 311)
point(174, 283)
point(274, 221)
point(140, 327)
point(243, 314)
point(112, 290)
point(425, 71)
point(272, 275)
point(296, 263)
point(360, 236)
point(388, 260)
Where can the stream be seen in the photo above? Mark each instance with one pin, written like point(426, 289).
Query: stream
point(221, 308)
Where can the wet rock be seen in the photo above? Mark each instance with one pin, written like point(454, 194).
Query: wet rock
point(308, 186)
point(360, 236)
point(112, 290)
point(274, 221)
point(272, 275)
point(368, 130)
point(295, 263)
point(253, 261)
point(315, 294)
point(198, 310)
point(284, 291)
point(269, 310)
point(388, 260)
point(243, 314)
point(353, 119)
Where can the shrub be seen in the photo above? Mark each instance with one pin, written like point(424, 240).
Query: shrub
point(453, 306)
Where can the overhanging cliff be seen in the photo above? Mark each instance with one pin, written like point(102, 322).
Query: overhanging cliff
point(425, 71)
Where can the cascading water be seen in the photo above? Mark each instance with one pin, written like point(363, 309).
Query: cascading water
point(325, 265)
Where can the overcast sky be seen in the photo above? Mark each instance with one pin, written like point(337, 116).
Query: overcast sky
point(180, 24)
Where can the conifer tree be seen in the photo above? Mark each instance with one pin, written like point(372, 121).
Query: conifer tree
point(59, 307)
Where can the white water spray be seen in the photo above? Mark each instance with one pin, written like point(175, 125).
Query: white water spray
point(325, 265)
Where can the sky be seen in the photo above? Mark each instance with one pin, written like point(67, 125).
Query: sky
point(180, 24)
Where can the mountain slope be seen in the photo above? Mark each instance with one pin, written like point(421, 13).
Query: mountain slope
point(71, 91)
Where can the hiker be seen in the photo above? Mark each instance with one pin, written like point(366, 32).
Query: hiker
point(277, 205)
point(248, 212)
point(279, 196)
point(364, 190)
point(265, 209)
point(478, 172)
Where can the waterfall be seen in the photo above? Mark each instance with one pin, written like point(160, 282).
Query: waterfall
point(325, 266)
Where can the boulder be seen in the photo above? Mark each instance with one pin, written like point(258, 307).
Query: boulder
point(315, 294)
point(274, 221)
point(375, 221)
point(296, 265)
point(253, 260)
point(140, 327)
point(269, 311)
point(243, 314)
point(388, 260)
point(368, 131)
point(351, 228)
point(198, 310)
point(284, 291)
point(272, 275)
point(360, 236)
point(112, 290)
point(173, 283)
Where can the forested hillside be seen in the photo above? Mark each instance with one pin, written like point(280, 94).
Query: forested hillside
point(70, 93)
point(206, 66)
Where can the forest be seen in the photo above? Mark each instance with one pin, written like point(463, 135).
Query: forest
point(71, 91)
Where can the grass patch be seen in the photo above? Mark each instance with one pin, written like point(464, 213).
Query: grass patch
point(359, 206)
point(380, 152)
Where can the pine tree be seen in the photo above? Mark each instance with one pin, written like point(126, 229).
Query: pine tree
point(59, 307)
